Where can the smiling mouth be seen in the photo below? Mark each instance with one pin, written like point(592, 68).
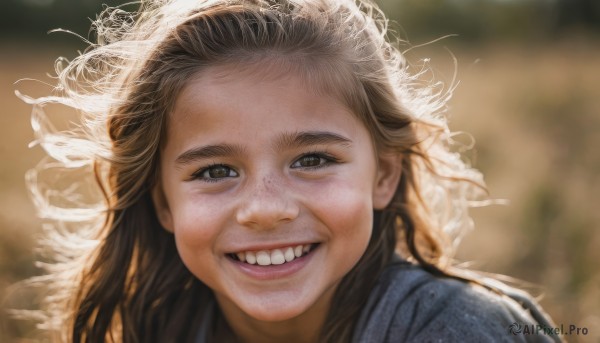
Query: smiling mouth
point(275, 256)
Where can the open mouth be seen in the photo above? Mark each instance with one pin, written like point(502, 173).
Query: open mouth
point(275, 256)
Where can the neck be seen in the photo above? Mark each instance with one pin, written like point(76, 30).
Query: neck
point(304, 328)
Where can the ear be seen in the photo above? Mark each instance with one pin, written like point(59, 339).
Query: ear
point(387, 179)
point(161, 207)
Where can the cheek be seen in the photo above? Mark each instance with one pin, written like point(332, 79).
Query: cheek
point(197, 225)
point(196, 229)
point(346, 208)
point(349, 220)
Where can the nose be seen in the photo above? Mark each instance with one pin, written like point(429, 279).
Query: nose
point(266, 205)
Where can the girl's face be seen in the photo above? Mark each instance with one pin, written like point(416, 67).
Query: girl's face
point(269, 190)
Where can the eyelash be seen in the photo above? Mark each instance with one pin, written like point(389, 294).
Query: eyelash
point(198, 174)
point(321, 155)
point(328, 160)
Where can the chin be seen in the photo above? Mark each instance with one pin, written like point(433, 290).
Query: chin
point(272, 310)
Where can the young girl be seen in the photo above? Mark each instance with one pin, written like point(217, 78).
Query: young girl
point(272, 171)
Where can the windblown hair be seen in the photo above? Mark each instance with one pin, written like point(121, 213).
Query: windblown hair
point(116, 274)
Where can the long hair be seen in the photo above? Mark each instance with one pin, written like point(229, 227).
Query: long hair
point(118, 277)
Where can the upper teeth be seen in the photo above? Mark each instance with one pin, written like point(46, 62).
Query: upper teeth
point(275, 256)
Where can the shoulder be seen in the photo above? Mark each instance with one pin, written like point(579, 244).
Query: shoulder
point(411, 305)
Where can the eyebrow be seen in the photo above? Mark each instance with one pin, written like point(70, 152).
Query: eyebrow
point(307, 138)
point(209, 151)
point(284, 141)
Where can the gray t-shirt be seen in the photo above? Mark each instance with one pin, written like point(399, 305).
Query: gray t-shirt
point(409, 304)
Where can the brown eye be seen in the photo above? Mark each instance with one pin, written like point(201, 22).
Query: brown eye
point(310, 161)
point(217, 172)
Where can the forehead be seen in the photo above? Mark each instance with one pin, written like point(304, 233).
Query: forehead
point(236, 103)
point(243, 88)
point(319, 75)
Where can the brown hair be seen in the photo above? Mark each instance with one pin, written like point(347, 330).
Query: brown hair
point(129, 283)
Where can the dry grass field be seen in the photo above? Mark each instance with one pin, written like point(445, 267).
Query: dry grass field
point(534, 113)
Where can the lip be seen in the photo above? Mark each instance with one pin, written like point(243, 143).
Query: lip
point(272, 272)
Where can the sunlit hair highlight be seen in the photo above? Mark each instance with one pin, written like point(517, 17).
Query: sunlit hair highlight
point(116, 274)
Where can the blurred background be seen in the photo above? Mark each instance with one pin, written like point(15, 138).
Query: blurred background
point(528, 93)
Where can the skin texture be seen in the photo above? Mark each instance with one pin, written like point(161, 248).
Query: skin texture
point(269, 189)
